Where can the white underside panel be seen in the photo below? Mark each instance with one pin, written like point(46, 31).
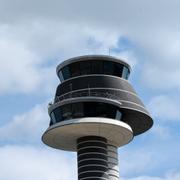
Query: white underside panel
point(64, 135)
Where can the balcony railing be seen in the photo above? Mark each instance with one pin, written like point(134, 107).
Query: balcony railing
point(93, 92)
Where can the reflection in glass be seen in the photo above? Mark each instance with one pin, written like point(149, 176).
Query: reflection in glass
point(66, 73)
point(94, 67)
point(61, 76)
point(125, 73)
point(85, 109)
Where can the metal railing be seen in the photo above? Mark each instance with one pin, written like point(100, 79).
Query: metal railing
point(89, 92)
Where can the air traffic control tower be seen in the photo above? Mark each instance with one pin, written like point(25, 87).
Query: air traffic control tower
point(95, 111)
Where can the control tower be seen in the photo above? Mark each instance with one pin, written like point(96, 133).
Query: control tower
point(95, 111)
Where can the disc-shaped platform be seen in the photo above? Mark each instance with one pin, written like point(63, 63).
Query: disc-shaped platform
point(64, 135)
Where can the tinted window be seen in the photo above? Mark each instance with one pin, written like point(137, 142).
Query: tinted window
point(66, 112)
point(66, 72)
point(61, 76)
point(77, 110)
point(108, 67)
point(118, 69)
point(85, 67)
point(53, 119)
point(57, 114)
point(85, 109)
point(97, 67)
point(94, 67)
point(125, 73)
point(74, 69)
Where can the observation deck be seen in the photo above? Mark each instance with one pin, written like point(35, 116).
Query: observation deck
point(94, 91)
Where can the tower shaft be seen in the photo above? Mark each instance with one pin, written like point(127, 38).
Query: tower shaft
point(97, 160)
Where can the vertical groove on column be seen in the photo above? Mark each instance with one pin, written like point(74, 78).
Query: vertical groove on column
point(92, 158)
point(113, 168)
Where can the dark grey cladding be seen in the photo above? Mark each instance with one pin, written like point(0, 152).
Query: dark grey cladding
point(112, 88)
point(94, 81)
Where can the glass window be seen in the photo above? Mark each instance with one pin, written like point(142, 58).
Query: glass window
point(100, 109)
point(61, 76)
point(94, 67)
point(66, 72)
point(125, 73)
point(97, 67)
point(85, 67)
point(85, 109)
point(66, 112)
point(89, 109)
point(111, 111)
point(57, 115)
point(74, 69)
point(77, 110)
point(53, 118)
point(108, 67)
point(118, 69)
point(118, 115)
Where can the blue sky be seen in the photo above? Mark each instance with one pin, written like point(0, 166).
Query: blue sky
point(35, 36)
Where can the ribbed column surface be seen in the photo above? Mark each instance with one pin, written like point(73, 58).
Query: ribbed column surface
point(113, 168)
point(92, 158)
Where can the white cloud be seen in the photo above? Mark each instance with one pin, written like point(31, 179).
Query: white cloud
point(20, 69)
point(27, 127)
point(30, 51)
point(28, 162)
point(57, 30)
point(165, 108)
point(169, 176)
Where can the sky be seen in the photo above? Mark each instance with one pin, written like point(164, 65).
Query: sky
point(35, 36)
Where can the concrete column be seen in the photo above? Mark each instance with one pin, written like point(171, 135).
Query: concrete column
point(113, 168)
point(92, 158)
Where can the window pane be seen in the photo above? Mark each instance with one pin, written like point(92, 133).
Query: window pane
point(77, 110)
point(61, 76)
point(66, 112)
point(85, 67)
point(108, 67)
point(97, 67)
point(89, 109)
point(65, 72)
point(118, 115)
point(118, 69)
point(85, 109)
point(111, 111)
point(125, 74)
point(74, 69)
point(101, 110)
point(58, 114)
point(53, 118)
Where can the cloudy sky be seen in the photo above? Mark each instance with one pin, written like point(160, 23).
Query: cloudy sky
point(35, 36)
